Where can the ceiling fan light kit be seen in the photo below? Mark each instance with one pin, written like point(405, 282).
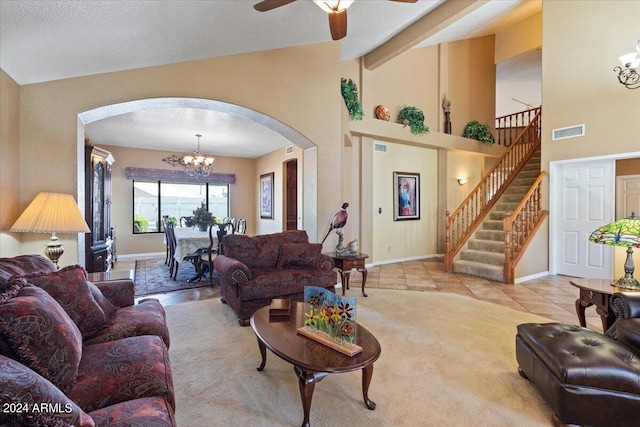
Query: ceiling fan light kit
point(336, 9)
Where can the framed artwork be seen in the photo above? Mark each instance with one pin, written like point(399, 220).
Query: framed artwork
point(406, 196)
point(266, 196)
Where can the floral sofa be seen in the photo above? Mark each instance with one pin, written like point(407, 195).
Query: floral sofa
point(255, 269)
point(77, 353)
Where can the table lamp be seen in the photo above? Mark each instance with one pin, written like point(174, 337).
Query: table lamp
point(624, 232)
point(52, 213)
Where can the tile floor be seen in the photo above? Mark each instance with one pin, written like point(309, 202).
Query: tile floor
point(550, 296)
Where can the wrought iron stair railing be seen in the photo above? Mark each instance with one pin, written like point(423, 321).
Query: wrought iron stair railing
point(461, 224)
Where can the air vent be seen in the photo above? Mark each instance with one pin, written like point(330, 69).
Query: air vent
point(288, 150)
point(568, 132)
point(381, 148)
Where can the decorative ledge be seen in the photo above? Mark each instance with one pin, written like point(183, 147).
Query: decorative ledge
point(178, 176)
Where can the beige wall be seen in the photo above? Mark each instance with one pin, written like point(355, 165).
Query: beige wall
point(296, 86)
point(241, 195)
point(519, 38)
point(582, 42)
point(9, 164)
point(275, 162)
point(462, 165)
point(406, 239)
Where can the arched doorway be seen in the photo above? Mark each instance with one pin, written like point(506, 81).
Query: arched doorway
point(308, 214)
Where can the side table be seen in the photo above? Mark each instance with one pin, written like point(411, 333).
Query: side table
point(346, 264)
point(107, 276)
point(596, 292)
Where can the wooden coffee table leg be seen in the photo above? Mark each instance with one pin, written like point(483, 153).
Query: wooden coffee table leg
point(263, 352)
point(307, 382)
point(367, 373)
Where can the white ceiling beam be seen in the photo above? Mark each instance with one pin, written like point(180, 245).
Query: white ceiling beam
point(430, 24)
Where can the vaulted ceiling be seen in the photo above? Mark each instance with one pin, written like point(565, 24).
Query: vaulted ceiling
point(48, 40)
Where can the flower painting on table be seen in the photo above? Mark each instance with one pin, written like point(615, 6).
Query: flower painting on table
point(330, 314)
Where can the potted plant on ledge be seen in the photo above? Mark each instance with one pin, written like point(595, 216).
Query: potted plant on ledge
point(414, 118)
point(476, 130)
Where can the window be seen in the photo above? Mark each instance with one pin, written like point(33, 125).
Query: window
point(154, 199)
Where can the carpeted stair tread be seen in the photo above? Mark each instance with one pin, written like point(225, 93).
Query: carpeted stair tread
point(496, 235)
point(492, 224)
point(486, 245)
point(472, 268)
point(484, 257)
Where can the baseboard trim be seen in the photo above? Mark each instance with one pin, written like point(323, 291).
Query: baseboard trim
point(531, 277)
point(147, 255)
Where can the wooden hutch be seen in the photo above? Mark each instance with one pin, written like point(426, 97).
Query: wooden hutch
point(99, 243)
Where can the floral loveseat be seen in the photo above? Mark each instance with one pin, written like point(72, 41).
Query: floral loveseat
point(75, 353)
point(255, 269)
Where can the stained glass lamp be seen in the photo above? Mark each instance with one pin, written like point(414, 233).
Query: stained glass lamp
point(624, 232)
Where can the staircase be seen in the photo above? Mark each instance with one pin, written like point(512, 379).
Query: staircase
point(484, 253)
point(487, 234)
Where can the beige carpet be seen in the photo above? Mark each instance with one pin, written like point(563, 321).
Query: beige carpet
point(446, 360)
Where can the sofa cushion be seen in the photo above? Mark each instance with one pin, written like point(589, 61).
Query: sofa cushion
point(145, 318)
point(21, 386)
point(300, 255)
point(41, 333)
point(279, 283)
point(70, 288)
point(126, 369)
point(107, 306)
point(260, 251)
point(146, 411)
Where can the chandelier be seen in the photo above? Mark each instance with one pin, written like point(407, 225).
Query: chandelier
point(629, 75)
point(198, 165)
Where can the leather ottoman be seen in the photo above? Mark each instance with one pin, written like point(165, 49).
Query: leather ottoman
point(585, 377)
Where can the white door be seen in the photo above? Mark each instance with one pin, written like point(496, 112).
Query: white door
point(628, 196)
point(585, 201)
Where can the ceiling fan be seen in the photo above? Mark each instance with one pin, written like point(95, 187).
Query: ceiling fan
point(336, 9)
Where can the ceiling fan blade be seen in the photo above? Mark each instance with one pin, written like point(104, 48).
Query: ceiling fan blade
point(266, 5)
point(338, 24)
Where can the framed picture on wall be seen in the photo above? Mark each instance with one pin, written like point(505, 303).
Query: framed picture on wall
point(406, 196)
point(266, 196)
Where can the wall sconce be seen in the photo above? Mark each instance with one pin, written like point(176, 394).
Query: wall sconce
point(462, 181)
point(627, 74)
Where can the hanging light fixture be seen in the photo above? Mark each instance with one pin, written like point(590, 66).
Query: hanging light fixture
point(333, 6)
point(628, 74)
point(198, 165)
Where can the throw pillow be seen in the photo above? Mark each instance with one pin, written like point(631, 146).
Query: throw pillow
point(69, 286)
point(299, 255)
point(41, 333)
point(107, 306)
point(22, 388)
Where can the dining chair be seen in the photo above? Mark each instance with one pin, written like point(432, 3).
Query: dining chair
point(241, 226)
point(206, 259)
point(165, 219)
point(171, 242)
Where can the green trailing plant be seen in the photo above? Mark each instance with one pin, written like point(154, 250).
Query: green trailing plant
point(414, 118)
point(350, 95)
point(476, 130)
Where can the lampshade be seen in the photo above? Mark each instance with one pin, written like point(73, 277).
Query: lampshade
point(51, 213)
point(624, 232)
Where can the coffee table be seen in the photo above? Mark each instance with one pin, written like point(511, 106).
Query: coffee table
point(311, 360)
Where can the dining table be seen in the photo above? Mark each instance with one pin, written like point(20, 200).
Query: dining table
point(188, 241)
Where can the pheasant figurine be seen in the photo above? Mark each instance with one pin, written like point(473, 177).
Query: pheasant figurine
point(339, 220)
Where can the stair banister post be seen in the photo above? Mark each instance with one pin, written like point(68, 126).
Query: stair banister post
point(447, 243)
point(507, 226)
